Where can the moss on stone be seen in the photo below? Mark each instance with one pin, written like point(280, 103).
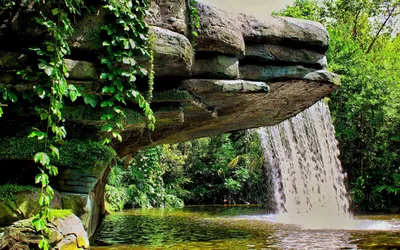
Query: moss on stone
point(173, 95)
point(90, 116)
point(60, 213)
point(8, 191)
point(73, 153)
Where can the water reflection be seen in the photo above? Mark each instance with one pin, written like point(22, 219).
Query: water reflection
point(229, 228)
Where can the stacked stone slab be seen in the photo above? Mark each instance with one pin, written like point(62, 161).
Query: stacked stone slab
point(238, 73)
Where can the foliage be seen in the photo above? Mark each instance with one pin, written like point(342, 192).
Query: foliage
point(226, 168)
point(194, 18)
point(127, 37)
point(364, 50)
point(77, 153)
point(7, 191)
point(142, 184)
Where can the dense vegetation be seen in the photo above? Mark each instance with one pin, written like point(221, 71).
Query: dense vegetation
point(222, 169)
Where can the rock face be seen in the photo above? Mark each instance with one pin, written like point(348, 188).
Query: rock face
point(65, 234)
point(24, 205)
point(239, 73)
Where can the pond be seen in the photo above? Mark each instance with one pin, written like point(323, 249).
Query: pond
point(235, 227)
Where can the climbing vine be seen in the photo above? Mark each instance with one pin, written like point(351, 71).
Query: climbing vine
point(194, 18)
point(127, 37)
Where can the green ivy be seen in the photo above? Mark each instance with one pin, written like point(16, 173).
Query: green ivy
point(194, 18)
point(127, 37)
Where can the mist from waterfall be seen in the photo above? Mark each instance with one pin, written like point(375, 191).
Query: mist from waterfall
point(302, 158)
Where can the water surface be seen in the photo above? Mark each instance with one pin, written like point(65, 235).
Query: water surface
point(237, 227)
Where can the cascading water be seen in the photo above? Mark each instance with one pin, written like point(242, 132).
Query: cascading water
point(302, 154)
point(308, 181)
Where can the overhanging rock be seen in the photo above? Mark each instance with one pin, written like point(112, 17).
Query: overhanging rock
point(239, 73)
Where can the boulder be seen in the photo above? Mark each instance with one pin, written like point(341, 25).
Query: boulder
point(87, 39)
point(23, 205)
point(173, 53)
point(220, 32)
point(285, 31)
point(216, 67)
point(12, 61)
point(81, 70)
point(170, 15)
point(65, 233)
point(281, 55)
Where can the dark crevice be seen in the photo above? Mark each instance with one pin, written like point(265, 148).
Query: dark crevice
point(257, 61)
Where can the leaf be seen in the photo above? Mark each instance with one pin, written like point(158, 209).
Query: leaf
point(55, 11)
point(90, 99)
point(55, 152)
point(108, 89)
point(39, 134)
point(44, 116)
point(42, 158)
point(103, 76)
point(107, 104)
point(13, 97)
point(107, 128)
point(107, 116)
point(50, 191)
point(1, 112)
point(53, 170)
point(106, 141)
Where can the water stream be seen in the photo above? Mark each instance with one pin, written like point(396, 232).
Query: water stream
point(312, 210)
point(302, 157)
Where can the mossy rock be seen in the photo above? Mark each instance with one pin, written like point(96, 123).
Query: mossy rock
point(88, 116)
point(73, 153)
point(20, 202)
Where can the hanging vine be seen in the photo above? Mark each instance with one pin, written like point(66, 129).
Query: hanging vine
point(194, 19)
point(128, 37)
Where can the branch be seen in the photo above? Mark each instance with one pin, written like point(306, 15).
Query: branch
point(382, 27)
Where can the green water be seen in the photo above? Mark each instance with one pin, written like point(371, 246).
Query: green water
point(238, 227)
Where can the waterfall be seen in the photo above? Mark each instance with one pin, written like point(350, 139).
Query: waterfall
point(302, 156)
